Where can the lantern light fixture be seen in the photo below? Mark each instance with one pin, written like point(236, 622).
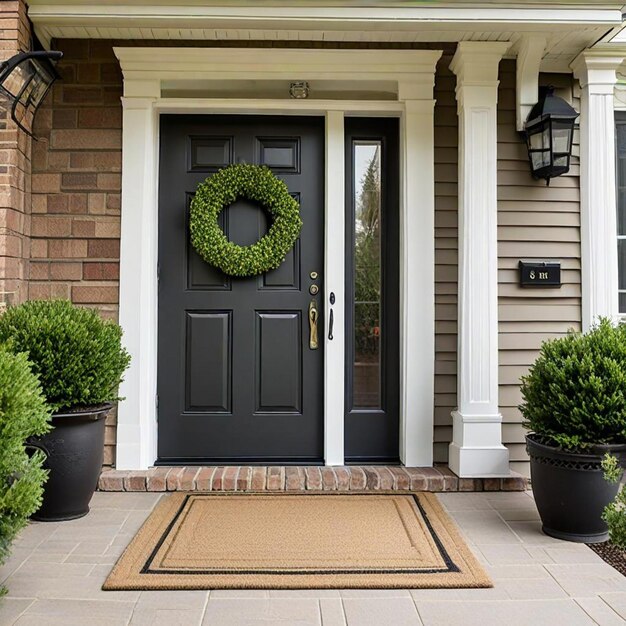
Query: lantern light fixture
point(25, 79)
point(299, 90)
point(549, 131)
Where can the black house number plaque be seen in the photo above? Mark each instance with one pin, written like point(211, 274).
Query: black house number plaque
point(540, 274)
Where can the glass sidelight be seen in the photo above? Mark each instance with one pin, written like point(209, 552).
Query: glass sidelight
point(367, 275)
point(372, 288)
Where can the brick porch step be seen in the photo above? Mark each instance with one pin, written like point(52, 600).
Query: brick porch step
point(294, 478)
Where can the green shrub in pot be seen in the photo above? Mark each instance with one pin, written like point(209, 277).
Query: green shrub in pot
point(77, 355)
point(23, 414)
point(80, 361)
point(574, 403)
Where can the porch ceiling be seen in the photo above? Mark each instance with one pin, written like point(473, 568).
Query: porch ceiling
point(569, 27)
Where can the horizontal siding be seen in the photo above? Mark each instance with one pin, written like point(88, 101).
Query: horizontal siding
point(535, 222)
point(446, 256)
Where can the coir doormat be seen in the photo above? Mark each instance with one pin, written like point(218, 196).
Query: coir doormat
point(296, 541)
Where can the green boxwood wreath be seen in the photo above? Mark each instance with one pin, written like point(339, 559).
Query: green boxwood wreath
point(255, 183)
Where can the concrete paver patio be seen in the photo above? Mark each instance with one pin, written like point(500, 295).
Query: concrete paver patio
point(56, 571)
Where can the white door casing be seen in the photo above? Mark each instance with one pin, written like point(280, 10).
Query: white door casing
point(413, 72)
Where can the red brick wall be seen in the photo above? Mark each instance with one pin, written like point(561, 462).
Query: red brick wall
point(76, 182)
point(14, 169)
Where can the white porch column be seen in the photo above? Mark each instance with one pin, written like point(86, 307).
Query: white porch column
point(417, 268)
point(596, 71)
point(476, 449)
point(136, 427)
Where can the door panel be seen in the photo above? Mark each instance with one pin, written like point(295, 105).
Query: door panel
point(372, 291)
point(279, 358)
point(208, 348)
point(237, 381)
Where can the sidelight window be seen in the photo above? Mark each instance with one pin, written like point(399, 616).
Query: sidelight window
point(367, 275)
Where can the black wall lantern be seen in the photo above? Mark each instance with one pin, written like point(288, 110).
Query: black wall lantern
point(26, 79)
point(549, 131)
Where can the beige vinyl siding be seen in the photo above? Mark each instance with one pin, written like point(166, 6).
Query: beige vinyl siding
point(446, 255)
point(535, 222)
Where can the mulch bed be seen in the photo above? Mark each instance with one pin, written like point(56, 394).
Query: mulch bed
point(614, 556)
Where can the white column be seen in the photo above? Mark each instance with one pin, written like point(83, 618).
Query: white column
point(334, 282)
point(137, 427)
point(476, 449)
point(596, 72)
point(417, 278)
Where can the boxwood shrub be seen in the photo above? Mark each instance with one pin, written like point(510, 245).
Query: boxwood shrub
point(575, 393)
point(77, 355)
point(23, 414)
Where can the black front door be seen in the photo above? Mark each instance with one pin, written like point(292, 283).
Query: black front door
point(237, 379)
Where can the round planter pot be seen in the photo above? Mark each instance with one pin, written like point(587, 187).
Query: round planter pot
point(570, 490)
point(74, 451)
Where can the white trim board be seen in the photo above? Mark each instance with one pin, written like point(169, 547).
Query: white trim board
point(233, 15)
point(413, 72)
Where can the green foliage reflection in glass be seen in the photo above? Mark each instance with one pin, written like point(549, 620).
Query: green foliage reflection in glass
point(367, 274)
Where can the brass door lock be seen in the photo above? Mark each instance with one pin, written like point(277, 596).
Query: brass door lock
point(313, 290)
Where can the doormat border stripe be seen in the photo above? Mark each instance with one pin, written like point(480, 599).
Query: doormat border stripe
point(134, 569)
point(450, 565)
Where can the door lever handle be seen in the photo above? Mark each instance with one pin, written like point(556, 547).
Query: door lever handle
point(331, 317)
point(313, 317)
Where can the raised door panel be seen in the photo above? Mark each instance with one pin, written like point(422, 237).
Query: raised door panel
point(209, 154)
point(279, 362)
point(208, 370)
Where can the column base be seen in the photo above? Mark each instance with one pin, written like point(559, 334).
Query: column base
point(491, 462)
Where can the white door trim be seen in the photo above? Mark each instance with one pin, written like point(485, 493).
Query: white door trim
point(412, 72)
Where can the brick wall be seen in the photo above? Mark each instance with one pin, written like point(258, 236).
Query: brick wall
point(76, 182)
point(14, 169)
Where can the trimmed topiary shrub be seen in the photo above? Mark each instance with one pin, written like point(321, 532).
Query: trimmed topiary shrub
point(575, 393)
point(77, 355)
point(23, 414)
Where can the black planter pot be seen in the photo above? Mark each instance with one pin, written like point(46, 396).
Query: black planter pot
point(74, 451)
point(570, 490)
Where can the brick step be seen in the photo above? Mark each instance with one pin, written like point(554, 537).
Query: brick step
point(295, 478)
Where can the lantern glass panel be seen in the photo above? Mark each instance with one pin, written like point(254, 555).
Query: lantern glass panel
point(539, 139)
point(540, 159)
point(17, 79)
point(561, 136)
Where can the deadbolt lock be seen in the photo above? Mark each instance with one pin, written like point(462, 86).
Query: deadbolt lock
point(313, 276)
point(313, 290)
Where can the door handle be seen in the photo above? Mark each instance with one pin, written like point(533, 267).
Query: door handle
point(313, 317)
point(331, 317)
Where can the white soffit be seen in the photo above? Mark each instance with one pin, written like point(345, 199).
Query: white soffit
point(568, 27)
